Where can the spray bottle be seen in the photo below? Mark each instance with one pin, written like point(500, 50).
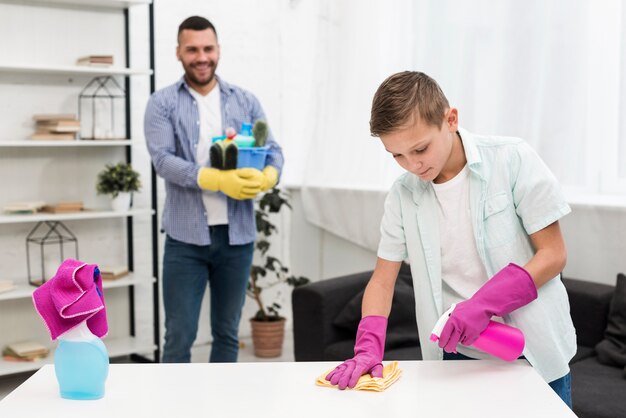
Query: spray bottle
point(499, 340)
point(81, 364)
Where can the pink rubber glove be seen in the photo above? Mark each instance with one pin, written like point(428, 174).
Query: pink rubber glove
point(368, 354)
point(510, 289)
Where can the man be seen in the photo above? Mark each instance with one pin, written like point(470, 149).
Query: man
point(209, 213)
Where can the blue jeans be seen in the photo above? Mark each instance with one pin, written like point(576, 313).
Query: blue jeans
point(186, 270)
point(562, 386)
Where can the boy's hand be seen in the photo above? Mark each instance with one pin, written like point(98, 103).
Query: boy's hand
point(368, 354)
point(510, 289)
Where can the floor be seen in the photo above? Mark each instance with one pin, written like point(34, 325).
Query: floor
point(199, 354)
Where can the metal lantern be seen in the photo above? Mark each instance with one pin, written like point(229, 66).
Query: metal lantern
point(102, 109)
point(56, 233)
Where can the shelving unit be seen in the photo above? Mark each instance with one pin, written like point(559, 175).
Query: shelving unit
point(115, 346)
point(23, 291)
point(46, 78)
point(104, 4)
point(71, 70)
point(88, 214)
point(76, 143)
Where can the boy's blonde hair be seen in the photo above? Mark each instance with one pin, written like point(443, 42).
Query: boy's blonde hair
point(403, 99)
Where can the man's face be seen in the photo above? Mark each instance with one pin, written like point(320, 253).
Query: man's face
point(423, 149)
point(199, 53)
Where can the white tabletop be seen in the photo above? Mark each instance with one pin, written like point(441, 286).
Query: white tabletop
point(426, 389)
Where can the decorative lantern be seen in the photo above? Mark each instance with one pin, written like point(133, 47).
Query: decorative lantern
point(56, 233)
point(102, 109)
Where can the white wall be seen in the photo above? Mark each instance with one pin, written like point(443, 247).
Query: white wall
point(594, 238)
point(270, 48)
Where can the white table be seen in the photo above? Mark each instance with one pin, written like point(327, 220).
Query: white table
point(426, 389)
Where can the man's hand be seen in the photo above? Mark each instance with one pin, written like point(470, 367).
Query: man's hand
point(270, 178)
point(240, 184)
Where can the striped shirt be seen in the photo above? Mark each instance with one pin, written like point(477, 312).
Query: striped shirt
point(172, 130)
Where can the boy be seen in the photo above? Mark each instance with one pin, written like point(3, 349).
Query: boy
point(477, 218)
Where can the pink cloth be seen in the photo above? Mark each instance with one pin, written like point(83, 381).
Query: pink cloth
point(509, 289)
point(72, 296)
point(368, 354)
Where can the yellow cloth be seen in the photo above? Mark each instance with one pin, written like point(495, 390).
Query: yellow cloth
point(243, 183)
point(391, 373)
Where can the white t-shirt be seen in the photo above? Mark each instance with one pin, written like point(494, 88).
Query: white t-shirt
point(209, 108)
point(462, 271)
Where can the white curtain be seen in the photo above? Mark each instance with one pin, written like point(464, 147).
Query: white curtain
point(551, 72)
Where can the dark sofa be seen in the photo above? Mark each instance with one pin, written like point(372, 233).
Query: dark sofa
point(326, 316)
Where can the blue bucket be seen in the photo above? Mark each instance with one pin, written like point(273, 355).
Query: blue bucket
point(253, 157)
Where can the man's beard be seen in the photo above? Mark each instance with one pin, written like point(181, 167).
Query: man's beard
point(201, 82)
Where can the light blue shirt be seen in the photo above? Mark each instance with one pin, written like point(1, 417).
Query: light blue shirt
point(512, 195)
point(172, 130)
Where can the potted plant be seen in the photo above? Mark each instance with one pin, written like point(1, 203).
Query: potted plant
point(268, 326)
point(120, 181)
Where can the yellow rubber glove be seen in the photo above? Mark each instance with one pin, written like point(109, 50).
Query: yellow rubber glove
point(240, 184)
point(270, 178)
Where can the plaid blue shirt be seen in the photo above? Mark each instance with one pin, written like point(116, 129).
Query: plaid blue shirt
point(172, 130)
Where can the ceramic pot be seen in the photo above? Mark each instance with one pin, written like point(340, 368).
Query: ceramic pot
point(122, 202)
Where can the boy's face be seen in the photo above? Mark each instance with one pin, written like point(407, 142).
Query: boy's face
point(425, 150)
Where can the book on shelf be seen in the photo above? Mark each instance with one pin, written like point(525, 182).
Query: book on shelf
point(18, 208)
point(46, 117)
point(7, 286)
point(97, 60)
point(63, 207)
point(52, 136)
point(58, 126)
point(50, 127)
point(25, 351)
point(113, 272)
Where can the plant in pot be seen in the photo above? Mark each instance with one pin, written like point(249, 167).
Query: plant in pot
point(268, 326)
point(120, 181)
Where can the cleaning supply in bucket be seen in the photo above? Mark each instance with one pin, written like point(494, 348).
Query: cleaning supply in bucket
point(72, 307)
point(499, 340)
point(244, 150)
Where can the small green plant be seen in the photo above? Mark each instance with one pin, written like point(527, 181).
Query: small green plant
point(269, 271)
point(118, 178)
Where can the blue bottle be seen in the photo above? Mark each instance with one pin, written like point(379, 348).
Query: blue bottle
point(81, 364)
point(246, 129)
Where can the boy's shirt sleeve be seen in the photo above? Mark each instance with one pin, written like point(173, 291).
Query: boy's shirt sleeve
point(537, 194)
point(392, 246)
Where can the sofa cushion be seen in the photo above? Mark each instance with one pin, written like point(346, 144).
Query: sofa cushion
point(343, 350)
point(582, 353)
point(612, 349)
point(589, 307)
point(597, 390)
point(401, 318)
